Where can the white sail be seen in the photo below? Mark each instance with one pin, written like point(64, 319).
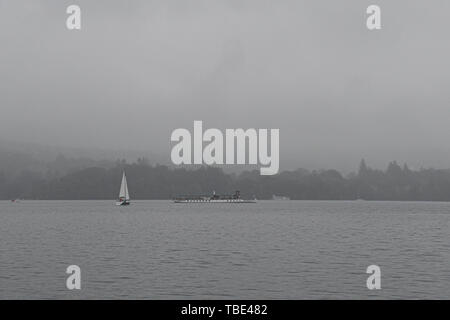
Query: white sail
point(123, 194)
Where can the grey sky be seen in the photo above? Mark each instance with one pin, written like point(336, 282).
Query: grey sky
point(139, 69)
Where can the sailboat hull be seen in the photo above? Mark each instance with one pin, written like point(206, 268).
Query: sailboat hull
point(122, 203)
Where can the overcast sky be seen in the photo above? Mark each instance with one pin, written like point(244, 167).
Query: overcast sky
point(137, 70)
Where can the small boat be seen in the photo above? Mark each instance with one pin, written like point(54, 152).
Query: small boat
point(281, 198)
point(124, 196)
point(214, 198)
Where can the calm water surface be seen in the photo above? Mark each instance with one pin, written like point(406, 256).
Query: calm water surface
point(268, 250)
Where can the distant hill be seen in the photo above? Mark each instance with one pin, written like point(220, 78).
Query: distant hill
point(146, 181)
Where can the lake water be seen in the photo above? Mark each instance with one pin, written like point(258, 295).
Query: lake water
point(268, 250)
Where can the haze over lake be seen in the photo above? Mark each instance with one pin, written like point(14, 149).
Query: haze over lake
point(138, 70)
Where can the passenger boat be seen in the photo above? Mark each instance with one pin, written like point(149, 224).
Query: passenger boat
point(214, 198)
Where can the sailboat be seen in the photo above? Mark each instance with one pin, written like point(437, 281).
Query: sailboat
point(124, 196)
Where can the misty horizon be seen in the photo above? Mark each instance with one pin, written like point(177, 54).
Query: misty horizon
point(49, 153)
point(336, 91)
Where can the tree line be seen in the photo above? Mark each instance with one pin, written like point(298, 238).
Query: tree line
point(147, 181)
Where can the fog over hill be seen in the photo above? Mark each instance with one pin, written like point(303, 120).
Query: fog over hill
point(25, 177)
point(139, 69)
